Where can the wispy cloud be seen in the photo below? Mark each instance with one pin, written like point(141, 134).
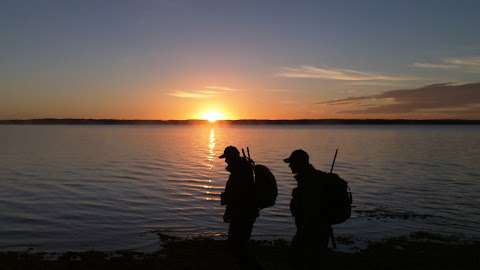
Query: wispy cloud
point(220, 88)
point(312, 72)
point(205, 92)
point(437, 66)
point(465, 61)
point(436, 97)
point(189, 94)
point(469, 64)
point(373, 83)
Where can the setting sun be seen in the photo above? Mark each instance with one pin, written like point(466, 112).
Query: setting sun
point(213, 116)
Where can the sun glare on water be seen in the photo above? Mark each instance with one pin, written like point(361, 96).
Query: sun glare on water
point(213, 116)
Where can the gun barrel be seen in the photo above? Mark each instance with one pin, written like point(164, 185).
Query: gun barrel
point(334, 158)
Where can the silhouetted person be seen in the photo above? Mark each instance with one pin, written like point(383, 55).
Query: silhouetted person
point(308, 207)
point(239, 198)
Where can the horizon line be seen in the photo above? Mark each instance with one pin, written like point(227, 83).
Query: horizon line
point(113, 121)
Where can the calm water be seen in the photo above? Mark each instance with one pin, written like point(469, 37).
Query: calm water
point(112, 187)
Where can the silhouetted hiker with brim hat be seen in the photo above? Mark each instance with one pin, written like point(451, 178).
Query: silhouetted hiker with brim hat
point(307, 204)
point(298, 156)
point(239, 197)
point(230, 151)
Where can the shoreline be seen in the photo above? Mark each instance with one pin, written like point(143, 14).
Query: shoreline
point(420, 250)
point(75, 121)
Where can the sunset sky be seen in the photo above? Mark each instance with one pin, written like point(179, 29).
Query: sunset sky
point(183, 59)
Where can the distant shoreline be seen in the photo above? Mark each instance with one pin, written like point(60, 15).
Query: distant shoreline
point(70, 121)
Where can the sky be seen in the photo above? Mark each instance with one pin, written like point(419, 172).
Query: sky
point(167, 59)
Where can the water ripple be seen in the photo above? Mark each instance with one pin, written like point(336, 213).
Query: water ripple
point(103, 187)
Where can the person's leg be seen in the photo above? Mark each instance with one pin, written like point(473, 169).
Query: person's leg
point(239, 233)
point(316, 244)
point(247, 258)
point(234, 239)
point(297, 248)
point(245, 234)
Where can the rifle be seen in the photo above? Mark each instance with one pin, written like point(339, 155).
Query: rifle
point(247, 157)
point(334, 158)
point(332, 237)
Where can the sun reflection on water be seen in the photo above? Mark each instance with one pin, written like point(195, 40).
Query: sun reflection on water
point(211, 148)
point(209, 189)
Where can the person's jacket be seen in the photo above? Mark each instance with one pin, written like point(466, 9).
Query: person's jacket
point(310, 198)
point(239, 194)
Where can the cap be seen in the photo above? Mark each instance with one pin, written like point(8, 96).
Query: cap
point(230, 151)
point(297, 155)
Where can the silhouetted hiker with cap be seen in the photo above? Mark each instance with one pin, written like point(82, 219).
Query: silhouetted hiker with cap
point(308, 205)
point(239, 198)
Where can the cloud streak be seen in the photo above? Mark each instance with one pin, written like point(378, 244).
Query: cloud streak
point(189, 94)
point(206, 92)
point(312, 72)
point(220, 88)
point(466, 61)
point(436, 66)
point(470, 64)
point(437, 97)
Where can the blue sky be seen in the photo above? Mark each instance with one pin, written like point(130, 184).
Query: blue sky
point(248, 59)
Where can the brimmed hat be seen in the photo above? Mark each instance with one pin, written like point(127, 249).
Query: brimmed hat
point(230, 151)
point(297, 155)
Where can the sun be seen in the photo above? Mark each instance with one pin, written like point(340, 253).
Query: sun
point(213, 116)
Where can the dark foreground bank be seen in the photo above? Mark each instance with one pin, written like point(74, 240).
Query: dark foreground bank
point(417, 251)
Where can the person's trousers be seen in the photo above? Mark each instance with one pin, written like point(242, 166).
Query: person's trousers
point(239, 233)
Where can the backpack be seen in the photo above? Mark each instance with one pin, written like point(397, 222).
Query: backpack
point(340, 199)
point(265, 186)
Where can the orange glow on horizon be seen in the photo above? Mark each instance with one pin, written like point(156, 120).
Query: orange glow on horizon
point(212, 116)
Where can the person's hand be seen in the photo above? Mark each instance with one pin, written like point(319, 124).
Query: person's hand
point(226, 217)
point(222, 199)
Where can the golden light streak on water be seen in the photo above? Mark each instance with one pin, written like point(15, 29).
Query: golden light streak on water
point(211, 157)
point(211, 148)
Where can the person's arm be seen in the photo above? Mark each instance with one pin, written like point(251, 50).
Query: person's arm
point(294, 201)
point(225, 197)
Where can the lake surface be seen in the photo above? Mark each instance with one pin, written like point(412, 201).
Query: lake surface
point(112, 187)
